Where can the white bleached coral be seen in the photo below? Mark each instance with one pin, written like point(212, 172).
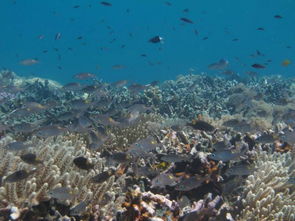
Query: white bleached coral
point(267, 194)
point(58, 170)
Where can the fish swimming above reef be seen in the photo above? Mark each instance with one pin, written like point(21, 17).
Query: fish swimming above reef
point(258, 66)
point(106, 3)
point(186, 20)
point(174, 158)
point(190, 183)
point(16, 146)
point(201, 125)
point(221, 64)
point(24, 127)
point(239, 170)
point(163, 180)
point(156, 39)
point(83, 163)
point(103, 176)
point(30, 158)
point(84, 76)
point(18, 176)
point(224, 156)
point(49, 131)
point(79, 208)
point(29, 62)
point(266, 138)
point(60, 193)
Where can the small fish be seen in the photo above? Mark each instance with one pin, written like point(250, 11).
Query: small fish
point(235, 39)
point(205, 38)
point(119, 83)
point(266, 138)
point(221, 64)
point(186, 10)
point(163, 180)
point(79, 38)
point(100, 178)
point(76, 6)
point(118, 67)
point(238, 170)
point(186, 20)
point(156, 39)
point(30, 158)
point(120, 157)
point(224, 156)
point(84, 76)
point(72, 86)
point(286, 62)
point(106, 3)
point(60, 193)
point(83, 163)
point(50, 131)
point(16, 146)
point(190, 183)
point(18, 176)
point(57, 36)
point(174, 158)
point(258, 66)
point(79, 208)
point(29, 62)
point(201, 125)
point(260, 29)
point(278, 16)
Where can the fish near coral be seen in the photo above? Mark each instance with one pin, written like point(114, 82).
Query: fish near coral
point(16, 146)
point(30, 158)
point(60, 193)
point(83, 163)
point(100, 178)
point(191, 183)
point(224, 156)
point(201, 125)
point(18, 176)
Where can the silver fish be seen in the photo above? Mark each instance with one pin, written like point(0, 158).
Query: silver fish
point(60, 193)
point(16, 146)
point(239, 170)
point(224, 156)
point(163, 180)
point(190, 183)
point(221, 64)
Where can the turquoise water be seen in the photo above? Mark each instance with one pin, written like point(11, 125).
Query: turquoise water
point(119, 34)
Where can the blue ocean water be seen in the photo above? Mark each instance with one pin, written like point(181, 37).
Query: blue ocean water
point(112, 41)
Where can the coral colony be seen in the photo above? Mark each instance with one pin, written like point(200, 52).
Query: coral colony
point(195, 148)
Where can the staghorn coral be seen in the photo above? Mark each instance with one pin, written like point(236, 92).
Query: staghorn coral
point(122, 138)
point(58, 170)
point(267, 194)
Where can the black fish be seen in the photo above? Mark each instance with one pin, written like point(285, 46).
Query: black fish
point(18, 176)
point(100, 178)
point(83, 163)
point(106, 3)
point(260, 29)
point(58, 36)
point(258, 66)
point(201, 125)
point(186, 20)
point(278, 16)
point(30, 158)
point(156, 39)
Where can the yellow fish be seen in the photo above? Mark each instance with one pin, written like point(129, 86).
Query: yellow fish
point(286, 62)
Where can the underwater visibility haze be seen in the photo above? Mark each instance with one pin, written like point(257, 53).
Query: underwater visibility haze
point(150, 110)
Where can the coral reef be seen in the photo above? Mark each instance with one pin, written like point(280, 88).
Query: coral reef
point(267, 194)
point(57, 170)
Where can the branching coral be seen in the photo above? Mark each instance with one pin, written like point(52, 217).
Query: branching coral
point(58, 170)
point(267, 194)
